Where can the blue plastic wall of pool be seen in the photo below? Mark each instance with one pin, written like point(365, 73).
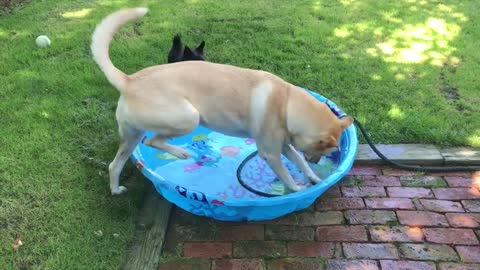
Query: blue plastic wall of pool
point(239, 209)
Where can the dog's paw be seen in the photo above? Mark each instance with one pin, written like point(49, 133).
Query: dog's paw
point(298, 188)
point(181, 153)
point(314, 178)
point(119, 190)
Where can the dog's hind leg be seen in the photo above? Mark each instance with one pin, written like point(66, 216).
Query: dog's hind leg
point(130, 137)
point(182, 120)
point(290, 152)
point(158, 142)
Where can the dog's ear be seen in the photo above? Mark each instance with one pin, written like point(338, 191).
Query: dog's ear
point(332, 142)
point(177, 43)
point(346, 121)
point(200, 47)
point(327, 142)
point(176, 52)
point(188, 53)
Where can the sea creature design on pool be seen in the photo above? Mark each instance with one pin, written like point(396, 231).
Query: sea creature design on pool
point(193, 195)
point(277, 188)
point(204, 154)
point(230, 151)
point(200, 137)
point(212, 209)
point(236, 192)
point(257, 174)
point(166, 156)
point(249, 141)
point(192, 167)
point(217, 202)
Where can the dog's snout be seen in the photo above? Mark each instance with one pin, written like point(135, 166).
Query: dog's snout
point(313, 159)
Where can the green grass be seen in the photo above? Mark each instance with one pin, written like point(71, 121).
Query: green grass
point(391, 64)
point(426, 182)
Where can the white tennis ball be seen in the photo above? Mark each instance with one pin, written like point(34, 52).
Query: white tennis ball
point(42, 41)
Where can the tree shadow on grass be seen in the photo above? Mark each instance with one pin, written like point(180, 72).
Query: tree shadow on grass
point(410, 63)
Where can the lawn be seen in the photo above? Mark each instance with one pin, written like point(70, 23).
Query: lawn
point(407, 69)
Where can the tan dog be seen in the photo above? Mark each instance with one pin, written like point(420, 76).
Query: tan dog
point(172, 100)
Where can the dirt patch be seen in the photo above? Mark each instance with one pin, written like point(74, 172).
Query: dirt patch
point(450, 92)
point(7, 6)
point(256, 18)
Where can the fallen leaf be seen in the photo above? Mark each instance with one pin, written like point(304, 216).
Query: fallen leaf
point(18, 242)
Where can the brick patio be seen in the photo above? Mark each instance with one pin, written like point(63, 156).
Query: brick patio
point(376, 218)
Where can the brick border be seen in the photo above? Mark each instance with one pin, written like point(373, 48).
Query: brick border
point(419, 154)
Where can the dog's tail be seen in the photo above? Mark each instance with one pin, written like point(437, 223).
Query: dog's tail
point(101, 38)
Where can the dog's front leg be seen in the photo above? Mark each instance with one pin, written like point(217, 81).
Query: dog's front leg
point(275, 162)
point(290, 152)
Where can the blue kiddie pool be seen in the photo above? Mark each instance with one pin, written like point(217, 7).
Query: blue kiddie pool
point(207, 185)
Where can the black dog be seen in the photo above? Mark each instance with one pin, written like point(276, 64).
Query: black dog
point(178, 53)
